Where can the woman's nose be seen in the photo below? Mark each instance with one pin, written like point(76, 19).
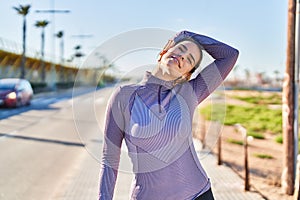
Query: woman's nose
point(182, 58)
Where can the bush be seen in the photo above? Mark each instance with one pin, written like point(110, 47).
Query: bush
point(64, 85)
point(38, 86)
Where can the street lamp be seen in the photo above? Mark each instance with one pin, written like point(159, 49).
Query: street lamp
point(53, 11)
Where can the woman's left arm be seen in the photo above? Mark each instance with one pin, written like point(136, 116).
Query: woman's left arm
point(214, 74)
point(113, 137)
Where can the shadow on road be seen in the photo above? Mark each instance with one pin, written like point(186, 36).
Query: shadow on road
point(60, 142)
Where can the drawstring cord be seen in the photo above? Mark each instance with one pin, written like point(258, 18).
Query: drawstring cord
point(159, 101)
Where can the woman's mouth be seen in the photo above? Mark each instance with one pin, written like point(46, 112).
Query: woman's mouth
point(176, 60)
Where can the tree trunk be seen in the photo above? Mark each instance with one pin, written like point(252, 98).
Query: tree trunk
point(42, 55)
point(62, 50)
point(288, 103)
point(23, 60)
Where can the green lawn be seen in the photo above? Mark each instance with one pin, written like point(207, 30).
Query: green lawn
point(256, 117)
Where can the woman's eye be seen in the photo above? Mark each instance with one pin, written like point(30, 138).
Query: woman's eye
point(181, 49)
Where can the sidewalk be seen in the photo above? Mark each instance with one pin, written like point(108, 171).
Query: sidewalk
point(226, 184)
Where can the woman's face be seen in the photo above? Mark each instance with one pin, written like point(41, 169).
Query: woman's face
point(180, 59)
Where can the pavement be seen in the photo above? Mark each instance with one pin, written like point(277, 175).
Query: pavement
point(226, 184)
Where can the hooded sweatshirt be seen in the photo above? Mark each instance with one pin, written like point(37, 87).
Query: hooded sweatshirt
point(154, 117)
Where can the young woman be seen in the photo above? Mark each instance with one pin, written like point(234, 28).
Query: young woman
point(155, 119)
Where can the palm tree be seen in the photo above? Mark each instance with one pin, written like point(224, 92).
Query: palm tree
point(42, 24)
point(60, 35)
point(248, 76)
point(78, 53)
point(277, 79)
point(23, 10)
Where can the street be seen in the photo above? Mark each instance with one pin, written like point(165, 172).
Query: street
point(51, 149)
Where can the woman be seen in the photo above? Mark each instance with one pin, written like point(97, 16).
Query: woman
point(155, 119)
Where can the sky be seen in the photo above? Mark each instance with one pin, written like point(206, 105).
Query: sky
point(256, 28)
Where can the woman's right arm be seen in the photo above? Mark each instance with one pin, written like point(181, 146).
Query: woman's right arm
point(215, 73)
point(113, 136)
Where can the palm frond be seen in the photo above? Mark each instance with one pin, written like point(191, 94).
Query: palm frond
point(41, 23)
point(22, 9)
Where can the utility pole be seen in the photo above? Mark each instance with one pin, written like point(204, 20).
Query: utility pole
point(288, 102)
point(53, 11)
point(296, 126)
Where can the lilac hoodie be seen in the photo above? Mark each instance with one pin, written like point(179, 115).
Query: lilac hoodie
point(154, 118)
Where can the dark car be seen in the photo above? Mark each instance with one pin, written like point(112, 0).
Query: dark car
point(15, 92)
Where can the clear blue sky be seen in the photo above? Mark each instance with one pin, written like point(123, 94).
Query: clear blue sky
point(257, 28)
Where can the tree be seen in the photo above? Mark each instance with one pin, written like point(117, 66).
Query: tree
point(23, 10)
point(42, 24)
point(277, 78)
point(60, 35)
point(248, 77)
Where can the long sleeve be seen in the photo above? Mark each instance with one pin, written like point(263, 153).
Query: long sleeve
point(215, 73)
point(113, 136)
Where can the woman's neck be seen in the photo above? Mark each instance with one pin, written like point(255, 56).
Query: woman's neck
point(162, 74)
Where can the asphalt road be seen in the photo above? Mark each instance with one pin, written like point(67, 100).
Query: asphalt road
point(51, 149)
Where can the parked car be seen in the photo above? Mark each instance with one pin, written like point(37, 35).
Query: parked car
point(15, 92)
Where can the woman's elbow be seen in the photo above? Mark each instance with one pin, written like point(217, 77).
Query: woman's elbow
point(234, 54)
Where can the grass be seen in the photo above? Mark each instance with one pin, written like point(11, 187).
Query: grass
point(257, 119)
point(233, 141)
point(256, 135)
point(263, 156)
point(260, 99)
point(279, 139)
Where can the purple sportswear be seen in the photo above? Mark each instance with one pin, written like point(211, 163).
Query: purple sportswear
point(154, 118)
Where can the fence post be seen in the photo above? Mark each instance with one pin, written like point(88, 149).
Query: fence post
point(243, 131)
point(220, 150)
point(219, 145)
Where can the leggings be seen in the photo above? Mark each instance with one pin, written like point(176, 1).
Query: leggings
point(208, 195)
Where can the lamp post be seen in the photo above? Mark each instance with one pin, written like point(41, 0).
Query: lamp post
point(53, 11)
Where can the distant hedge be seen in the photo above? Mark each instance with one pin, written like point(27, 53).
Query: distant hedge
point(43, 87)
point(38, 86)
point(64, 85)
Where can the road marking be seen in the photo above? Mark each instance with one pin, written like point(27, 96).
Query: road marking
point(5, 135)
